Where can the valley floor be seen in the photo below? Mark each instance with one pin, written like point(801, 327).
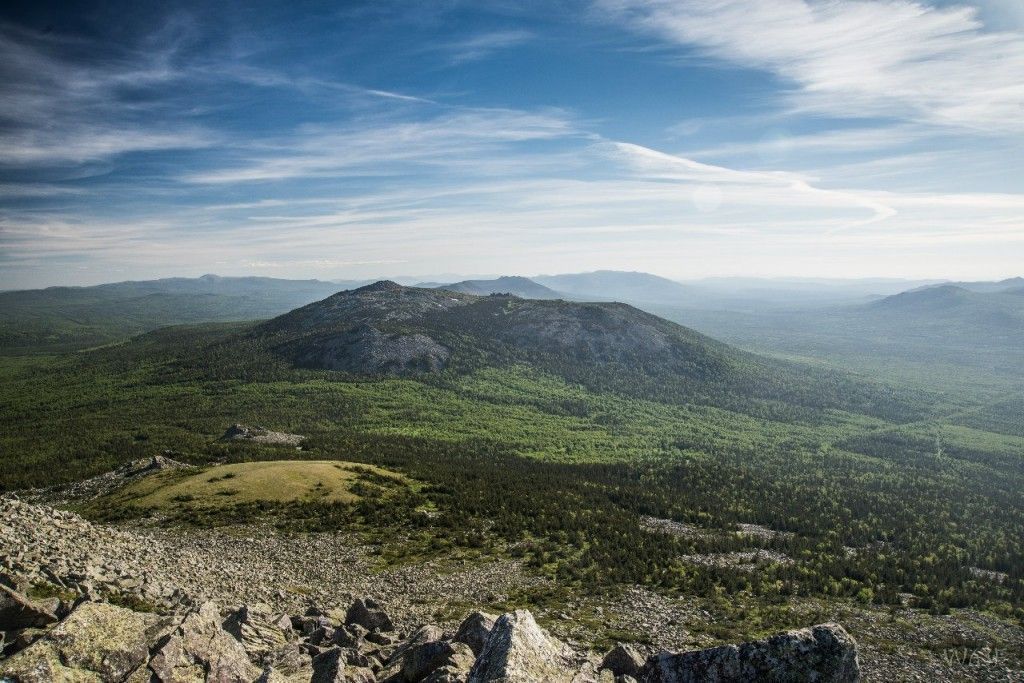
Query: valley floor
point(246, 564)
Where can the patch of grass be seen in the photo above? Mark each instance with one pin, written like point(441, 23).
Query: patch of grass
point(44, 590)
point(244, 490)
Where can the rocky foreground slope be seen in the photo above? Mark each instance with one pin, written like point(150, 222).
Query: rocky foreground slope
point(111, 616)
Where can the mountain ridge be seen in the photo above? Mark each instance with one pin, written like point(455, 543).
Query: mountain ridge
point(390, 329)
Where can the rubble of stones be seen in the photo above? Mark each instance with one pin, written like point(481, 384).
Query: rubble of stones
point(114, 613)
point(84, 640)
point(107, 482)
point(239, 432)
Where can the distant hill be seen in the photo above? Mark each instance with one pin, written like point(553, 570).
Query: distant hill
point(64, 318)
point(985, 286)
point(942, 336)
point(952, 310)
point(389, 329)
point(614, 285)
point(518, 286)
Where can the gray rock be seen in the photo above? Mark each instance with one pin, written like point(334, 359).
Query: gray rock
point(329, 666)
point(97, 642)
point(19, 640)
point(254, 629)
point(352, 635)
point(237, 432)
point(18, 612)
point(368, 614)
point(424, 634)
point(199, 649)
point(359, 675)
point(519, 651)
point(623, 660)
point(474, 629)
point(824, 654)
point(441, 657)
point(367, 350)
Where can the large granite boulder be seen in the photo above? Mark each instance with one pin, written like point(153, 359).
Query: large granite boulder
point(623, 660)
point(824, 654)
point(259, 632)
point(201, 650)
point(437, 660)
point(368, 614)
point(474, 630)
point(519, 651)
point(97, 642)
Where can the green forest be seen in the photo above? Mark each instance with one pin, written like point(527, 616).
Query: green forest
point(902, 500)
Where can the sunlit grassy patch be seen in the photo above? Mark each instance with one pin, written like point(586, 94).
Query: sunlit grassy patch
point(275, 481)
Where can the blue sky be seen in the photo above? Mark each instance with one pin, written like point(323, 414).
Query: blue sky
point(688, 138)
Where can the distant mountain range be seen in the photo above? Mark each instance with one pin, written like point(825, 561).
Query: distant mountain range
point(855, 324)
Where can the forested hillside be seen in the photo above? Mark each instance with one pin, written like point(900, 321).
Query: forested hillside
point(64, 318)
point(593, 475)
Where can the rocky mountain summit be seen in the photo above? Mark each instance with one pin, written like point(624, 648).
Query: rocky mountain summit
point(385, 328)
point(82, 602)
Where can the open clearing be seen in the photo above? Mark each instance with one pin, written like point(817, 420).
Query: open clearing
point(275, 481)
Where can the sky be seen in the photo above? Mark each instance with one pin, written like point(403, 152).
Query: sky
point(687, 138)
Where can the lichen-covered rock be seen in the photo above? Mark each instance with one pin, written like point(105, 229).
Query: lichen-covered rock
point(441, 657)
point(288, 663)
point(474, 630)
point(623, 660)
point(97, 642)
point(519, 651)
point(253, 627)
point(18, 612)
point(201, 650)
point(824, 654)
point(329, 666)
point(424, 634)
point(368, 614)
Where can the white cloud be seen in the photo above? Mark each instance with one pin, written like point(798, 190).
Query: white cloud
point(57, 109)
point(462, 137)
point(855, 58)
point(484, 44)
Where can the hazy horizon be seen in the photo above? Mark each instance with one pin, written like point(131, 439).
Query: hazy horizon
point(710, 138)
point(447, 278)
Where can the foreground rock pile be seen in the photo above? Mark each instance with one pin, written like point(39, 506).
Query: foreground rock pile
point(173, 569)
point(98, 641)
point(135, 606)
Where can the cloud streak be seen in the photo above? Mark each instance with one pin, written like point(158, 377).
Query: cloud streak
point(855, 58)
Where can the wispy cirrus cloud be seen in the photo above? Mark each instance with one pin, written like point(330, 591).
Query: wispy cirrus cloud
point(484, 44)
point(855, 58)
point(455, 137)
point(56, 107)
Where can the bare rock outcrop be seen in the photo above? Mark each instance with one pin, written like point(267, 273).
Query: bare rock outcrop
point(200, 649)
point(239, 432)
point(474, 631)
point(623, 660)
point(367, 350)
point(519, 651)
point(97, 642)
point(824, 653)
point(368, 614)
